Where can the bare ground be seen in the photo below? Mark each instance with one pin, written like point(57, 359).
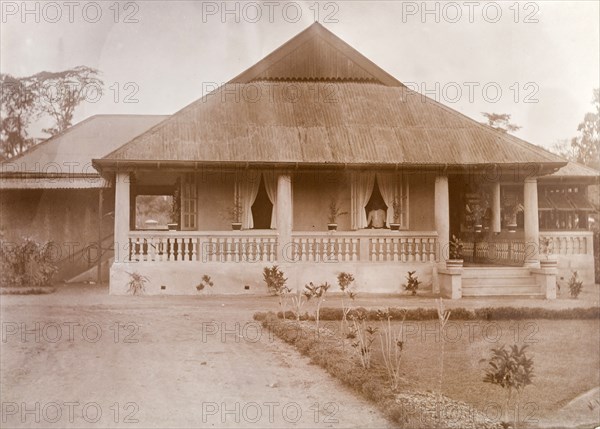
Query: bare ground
point(172, 362)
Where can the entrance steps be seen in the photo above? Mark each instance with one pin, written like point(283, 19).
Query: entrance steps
point(499, 281)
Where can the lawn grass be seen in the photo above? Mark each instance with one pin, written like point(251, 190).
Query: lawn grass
point(565, 353)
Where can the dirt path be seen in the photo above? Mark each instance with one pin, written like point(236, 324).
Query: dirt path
point(170, 363)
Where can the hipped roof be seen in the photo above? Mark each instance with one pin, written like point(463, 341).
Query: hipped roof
point(317, 101)
point(65, 160)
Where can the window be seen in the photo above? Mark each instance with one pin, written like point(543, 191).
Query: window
point(387, 190)
point(153, 211)
point(189, 201)
point(262, 209)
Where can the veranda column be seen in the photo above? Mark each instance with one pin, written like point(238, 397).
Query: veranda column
point(531, 224)
point(442, 216)
point(284, 217)
point(496, 225)
point(122, 182)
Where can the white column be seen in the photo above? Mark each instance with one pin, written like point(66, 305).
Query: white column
point(284, 217)
point(122, 182)
point(496, 225)
point(442, 216)
point(531, 224)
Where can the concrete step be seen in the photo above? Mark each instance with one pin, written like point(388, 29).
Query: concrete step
point(516, 294)
point(503, 288)
point(497, 281)
point(471, 272)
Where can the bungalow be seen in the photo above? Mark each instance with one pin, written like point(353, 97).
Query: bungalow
point(316, 134)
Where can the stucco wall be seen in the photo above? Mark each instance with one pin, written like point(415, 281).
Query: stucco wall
point(68, 217)
point(215, 199)
point(421, 202)
point(231, 278)
point(312, 193)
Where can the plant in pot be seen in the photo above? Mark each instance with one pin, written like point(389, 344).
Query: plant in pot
point(456, 253)
point(511, 213)
point(546, 247)
point(478, 212)
point(334, 212)
point(397, 212)
point(236, 213)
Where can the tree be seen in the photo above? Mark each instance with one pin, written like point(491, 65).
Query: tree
point(26, 99)
point(500, 121)
point(586, 145)
point(61, 92)
point(17, 110)
point(563, 148)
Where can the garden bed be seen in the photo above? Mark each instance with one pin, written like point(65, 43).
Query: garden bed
point(25, 290)
point(408, 409)
point(559, 374)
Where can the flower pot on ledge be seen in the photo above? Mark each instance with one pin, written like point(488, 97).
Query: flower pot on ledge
point(512, 227)
point(236, 226)
point(172, 226)
point(395, 226)
point(332, 226)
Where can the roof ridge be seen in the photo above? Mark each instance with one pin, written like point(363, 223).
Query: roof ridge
point(317, 30)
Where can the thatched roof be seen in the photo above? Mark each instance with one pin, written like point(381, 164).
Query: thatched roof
point(288, 109)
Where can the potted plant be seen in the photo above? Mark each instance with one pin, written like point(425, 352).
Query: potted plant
point(478, 212)
point(236, 213)
point(334, 212)
point(397, 208)
point(546, 245)
point(511, 213)
point(456, 255)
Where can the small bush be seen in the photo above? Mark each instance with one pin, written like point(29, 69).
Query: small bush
point(206, 282)
point(510, 369)
point(137, 283)
point(575, 285)
point(274, 279)
point(412, 283)
point(27, 263)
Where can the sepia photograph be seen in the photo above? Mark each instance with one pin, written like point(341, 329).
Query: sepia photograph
point(300, 214)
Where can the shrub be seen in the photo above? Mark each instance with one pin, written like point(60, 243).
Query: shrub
point(298, 302)
point(274, 279)
point(317, 292)
point(575, 285)
point(27, 263)
point(510, 369)
point(137, 283)
point(345, 281)
point(204, 283)
point(485, 313)
point(412, 283)
point(391, 348)
point(362, 337)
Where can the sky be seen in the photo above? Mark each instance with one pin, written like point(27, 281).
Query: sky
point(538, 61)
